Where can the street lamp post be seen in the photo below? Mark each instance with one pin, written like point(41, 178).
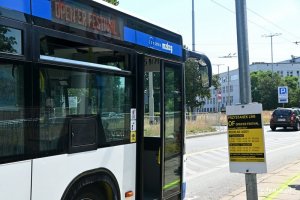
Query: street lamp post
point(217, 91)
point(193, 26)
point(228, 77)
point(271, 35)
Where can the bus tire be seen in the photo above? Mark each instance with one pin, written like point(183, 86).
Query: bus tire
point(91, 193)
point(95, 186)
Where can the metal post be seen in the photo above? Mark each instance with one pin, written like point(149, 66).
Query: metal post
point(272, 55)
point(228, 87)
point(243, 55)
point(271, 36)
point(151, 99)
point(251, 188)
point(193, 26)
point(244, 78)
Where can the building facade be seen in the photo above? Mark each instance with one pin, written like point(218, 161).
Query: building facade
point(229, 92)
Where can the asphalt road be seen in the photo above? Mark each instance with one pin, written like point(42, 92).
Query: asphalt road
point(207, 171)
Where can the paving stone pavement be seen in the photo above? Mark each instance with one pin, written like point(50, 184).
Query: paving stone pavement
point(281, 184)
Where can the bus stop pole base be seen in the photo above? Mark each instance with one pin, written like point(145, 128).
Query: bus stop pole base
point(251, 186)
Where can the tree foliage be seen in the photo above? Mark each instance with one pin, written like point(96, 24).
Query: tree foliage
point(264, 88)
point(114, 2)
point(193, 85)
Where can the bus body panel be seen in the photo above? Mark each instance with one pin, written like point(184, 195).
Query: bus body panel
point(52, 175)
point(15, 180)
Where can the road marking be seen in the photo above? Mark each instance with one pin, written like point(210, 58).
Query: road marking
point(284, 147)
point(205, 151)
point(207, 172)
point(172, 184)
point(227, 164)
point(282, 187)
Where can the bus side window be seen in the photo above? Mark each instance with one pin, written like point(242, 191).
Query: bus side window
point(12, 111)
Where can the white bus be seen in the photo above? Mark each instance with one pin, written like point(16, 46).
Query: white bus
point(91, 103)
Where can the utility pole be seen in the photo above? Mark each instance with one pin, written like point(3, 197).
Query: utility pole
point(271, 35)
point(193, 26)
point(228, 88)
point(218, 90)
point(245, 84)
point(228, 78)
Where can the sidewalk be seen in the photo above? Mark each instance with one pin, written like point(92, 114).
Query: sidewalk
point(281, 184)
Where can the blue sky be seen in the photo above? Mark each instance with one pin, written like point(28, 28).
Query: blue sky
point(216, 26)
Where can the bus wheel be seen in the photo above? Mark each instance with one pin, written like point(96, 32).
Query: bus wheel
point(91, 193)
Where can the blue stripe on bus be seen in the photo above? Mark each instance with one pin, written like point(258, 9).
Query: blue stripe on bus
point(149, 41)
point(18, 5)
point(41, 8)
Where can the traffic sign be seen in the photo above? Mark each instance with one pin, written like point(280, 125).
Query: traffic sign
point(246, 143)
point(283, 94)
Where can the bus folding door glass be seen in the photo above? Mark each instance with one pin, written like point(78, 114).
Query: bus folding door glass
point(152, 97)
point(173, 128)
point(71, 94)
point(10, 40)
point(12, 111)
point(152, 129)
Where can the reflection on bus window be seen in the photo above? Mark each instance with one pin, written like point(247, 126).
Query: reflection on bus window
point(12, 120)
point(66, 94)
point(152, 97)
point(173, 128)
point(66, 49)
point(10, 40)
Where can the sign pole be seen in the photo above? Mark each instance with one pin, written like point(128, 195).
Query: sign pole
point(251, 186)
point(245, 84)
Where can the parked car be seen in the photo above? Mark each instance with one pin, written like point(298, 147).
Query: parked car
point(285, 117)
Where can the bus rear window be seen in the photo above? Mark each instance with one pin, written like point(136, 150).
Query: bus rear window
point(10, 40)
point(61, 48)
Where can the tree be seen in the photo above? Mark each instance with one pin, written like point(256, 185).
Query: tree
point(114, 2)
point(193, 85)
point(294, 91)
point(264, 87)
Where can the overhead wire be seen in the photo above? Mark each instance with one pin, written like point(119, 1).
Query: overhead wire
point(221, 5)
point(265, 19)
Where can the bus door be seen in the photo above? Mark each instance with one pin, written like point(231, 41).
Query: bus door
point(163, 129)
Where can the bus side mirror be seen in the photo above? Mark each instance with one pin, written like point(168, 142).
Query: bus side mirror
point(204, 67)
point(205, 70)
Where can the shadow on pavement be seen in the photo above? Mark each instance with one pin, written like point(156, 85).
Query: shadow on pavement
point(296, 187)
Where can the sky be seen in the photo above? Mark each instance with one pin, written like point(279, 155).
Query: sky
point(215, 27)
